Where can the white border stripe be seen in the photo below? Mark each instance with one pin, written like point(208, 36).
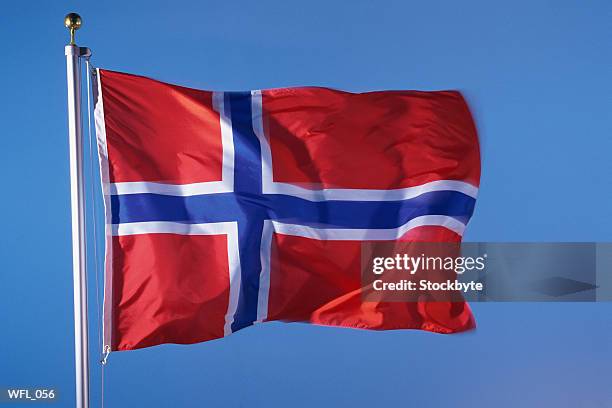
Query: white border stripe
point(271, 227)
point(168, 227)
point(342, 234)
point(258, 129)
point(184, 190)
point(220, 228)
point(226, 185)
point(139, 187)
point(264, 277)
point(104, 178)
point(227, 138)
point(235, 277)
point(272, 187)
point(370, 195)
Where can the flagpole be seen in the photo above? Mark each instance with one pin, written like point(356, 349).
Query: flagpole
point(75, 136)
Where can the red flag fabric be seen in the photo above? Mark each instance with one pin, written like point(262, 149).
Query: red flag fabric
point(228, 209)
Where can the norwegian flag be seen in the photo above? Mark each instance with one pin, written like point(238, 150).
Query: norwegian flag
point(225, 209)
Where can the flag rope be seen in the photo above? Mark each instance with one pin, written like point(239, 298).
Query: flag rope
point(90, 72)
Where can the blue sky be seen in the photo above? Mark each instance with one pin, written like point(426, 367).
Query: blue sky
point(537, 75)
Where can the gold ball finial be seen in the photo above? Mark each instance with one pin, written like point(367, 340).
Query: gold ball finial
point(73, 22)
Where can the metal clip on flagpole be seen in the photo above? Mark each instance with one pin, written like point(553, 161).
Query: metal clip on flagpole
point(75, 135)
